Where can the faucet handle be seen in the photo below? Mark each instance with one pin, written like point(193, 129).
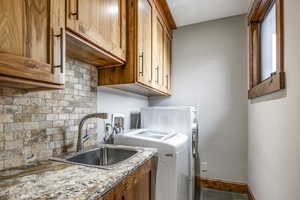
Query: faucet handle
point(85, 138)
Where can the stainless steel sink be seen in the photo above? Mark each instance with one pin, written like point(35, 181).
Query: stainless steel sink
point(102, 157)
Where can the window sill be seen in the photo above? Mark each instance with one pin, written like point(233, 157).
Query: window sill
point(270, 85)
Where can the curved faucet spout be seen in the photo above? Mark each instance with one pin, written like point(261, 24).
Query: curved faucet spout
point(80, 139)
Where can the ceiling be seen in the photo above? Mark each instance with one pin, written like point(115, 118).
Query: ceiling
point(187, 12)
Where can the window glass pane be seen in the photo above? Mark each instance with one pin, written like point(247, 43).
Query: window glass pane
point(268, 44)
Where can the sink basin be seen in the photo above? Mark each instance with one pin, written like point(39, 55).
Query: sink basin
point(103, 157)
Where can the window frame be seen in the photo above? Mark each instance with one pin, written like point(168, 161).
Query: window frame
point(276, 82)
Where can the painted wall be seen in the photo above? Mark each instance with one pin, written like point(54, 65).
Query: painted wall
point(274, 126)
point(210, 71)
point(116, 101)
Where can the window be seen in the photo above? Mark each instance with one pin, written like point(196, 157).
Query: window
point(266, 47)
point(268, 44)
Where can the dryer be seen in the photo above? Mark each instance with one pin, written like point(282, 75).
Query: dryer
point(173, 160)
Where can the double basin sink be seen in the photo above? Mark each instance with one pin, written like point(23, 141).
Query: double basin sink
point(101, 157)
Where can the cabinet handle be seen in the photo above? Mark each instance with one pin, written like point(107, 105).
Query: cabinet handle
point(169, 155)
point(142, 66)
point(61, 36)
point(167, 77)
point(157, 74)
point(76, 13)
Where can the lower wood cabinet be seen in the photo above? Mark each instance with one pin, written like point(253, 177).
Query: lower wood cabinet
point(140, 185)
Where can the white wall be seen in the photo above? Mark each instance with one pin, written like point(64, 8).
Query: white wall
point(116, 101)
point(274, 126)
point(210, 71)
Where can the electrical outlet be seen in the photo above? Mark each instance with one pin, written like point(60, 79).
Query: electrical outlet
point(204, 168)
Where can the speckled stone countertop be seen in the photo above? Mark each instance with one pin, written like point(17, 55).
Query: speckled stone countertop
point(63, 181)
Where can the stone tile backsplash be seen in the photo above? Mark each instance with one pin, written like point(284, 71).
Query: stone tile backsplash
point(37, 125)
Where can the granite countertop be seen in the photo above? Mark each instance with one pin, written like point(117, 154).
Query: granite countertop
point(57, 180)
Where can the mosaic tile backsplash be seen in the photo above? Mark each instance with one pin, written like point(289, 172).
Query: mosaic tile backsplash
point(37, 125)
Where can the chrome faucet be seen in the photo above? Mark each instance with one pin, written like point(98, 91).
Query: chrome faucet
point(81, 140)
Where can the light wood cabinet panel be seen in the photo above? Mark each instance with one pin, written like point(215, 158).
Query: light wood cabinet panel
point(101, 23)
point(159, 35)
point(167, 63)
point(145, 41)
point(32, 43)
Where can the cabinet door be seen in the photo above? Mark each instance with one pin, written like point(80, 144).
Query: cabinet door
point(158, 52)
point(119, 192)
point(138, 188)
point(142, 187)
point(109, 196)
point(32, 40)
point(145, 13)
point(101, 22)
point(139, 185)
point(167, 63)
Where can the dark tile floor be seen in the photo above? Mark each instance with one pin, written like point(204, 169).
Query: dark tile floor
point(209, 194)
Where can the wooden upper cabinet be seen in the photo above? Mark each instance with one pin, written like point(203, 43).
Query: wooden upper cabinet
point(145, 42)
point(146, 70)
point(32, 43)
point(101, 26)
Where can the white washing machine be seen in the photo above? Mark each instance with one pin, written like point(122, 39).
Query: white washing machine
point(173, 154)
point(181, 119)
